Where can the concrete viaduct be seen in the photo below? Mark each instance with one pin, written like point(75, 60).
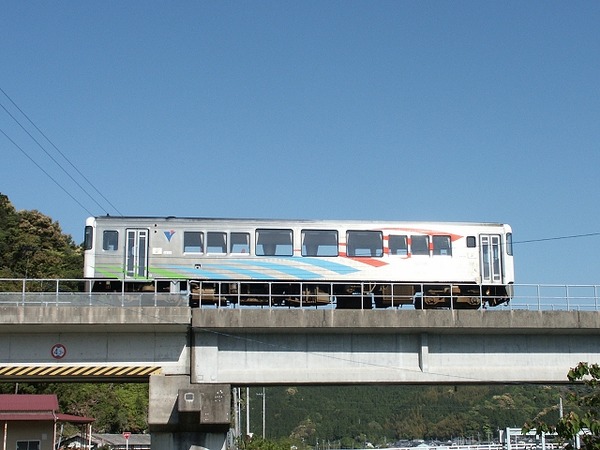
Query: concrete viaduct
point(192, 357)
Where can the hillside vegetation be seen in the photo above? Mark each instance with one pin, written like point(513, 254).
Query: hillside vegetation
point(33, 245)
point(354, 415)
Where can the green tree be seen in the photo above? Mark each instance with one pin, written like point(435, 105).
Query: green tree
point(116, 407)
point(584, 422)
point(304, 431)
point(32, 245)
point(412, 425)
point(9, 224)
point(268, 444)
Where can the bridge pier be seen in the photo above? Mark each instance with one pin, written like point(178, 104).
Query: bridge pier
point(188, 416)
point(188, 441)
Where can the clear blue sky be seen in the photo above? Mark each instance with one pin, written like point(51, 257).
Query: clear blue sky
point(392, 110)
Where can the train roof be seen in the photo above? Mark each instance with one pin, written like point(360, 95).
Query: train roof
point(239, 220)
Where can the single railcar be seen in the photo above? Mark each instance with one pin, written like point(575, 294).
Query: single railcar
point(351, 264)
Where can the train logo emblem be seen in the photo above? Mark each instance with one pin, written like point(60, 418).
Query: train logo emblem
point(169, 234)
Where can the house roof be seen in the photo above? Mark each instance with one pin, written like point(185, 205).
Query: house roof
point(115, 440)
point(119, 439)
point(29, 403)
point(33, 408)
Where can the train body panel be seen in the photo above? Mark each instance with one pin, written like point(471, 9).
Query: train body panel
point(137, 250)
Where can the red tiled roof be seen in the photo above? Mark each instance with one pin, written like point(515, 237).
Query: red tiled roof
point(20, 402)
point(35, 408)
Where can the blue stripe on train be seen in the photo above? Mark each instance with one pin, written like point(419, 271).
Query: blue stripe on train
point(251, 268)
point(288, 269)
point(332, 266)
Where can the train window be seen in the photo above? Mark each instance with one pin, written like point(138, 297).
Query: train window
point(193, 242)
point(274, 242)
point(442, 246)
point(88, 238)
point(319, 243)
point(471, 242)
point(509, 248)
point(364, 243)
point(216, 242)
point(419, 245)
point(398, 245)
point(110, 240)
point(239, 243)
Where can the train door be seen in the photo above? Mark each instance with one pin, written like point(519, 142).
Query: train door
point(136, 253)
point(491, 258)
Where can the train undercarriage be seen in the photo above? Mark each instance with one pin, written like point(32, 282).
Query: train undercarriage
point(339, 295)
point(344, 295)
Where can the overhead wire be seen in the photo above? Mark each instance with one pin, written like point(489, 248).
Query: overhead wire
point(45, 172)
point(74, 167)
point(54, 159)
point(51, 157)
point(557, 238)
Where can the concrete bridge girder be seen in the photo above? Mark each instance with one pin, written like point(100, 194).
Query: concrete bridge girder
point(253, 347)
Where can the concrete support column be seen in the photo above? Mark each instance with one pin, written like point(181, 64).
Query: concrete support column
point(424, 353)
point(186, 416)
point(188, 441)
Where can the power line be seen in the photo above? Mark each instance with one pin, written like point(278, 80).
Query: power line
point(558, 238)
point(53, 159)
point(45, 172)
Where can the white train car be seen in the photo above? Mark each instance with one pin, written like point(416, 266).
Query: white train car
point(353, 264)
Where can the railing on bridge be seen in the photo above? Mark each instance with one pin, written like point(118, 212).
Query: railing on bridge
point(542, 297)
point(78, 292)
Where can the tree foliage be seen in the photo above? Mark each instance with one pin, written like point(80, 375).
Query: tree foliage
point(32, 245)
point(584, 420)
point(352, 415)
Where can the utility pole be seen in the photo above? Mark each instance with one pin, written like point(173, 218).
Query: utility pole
point(264, 401)
point(236, 415)
point(248, 412)
point(560, 407)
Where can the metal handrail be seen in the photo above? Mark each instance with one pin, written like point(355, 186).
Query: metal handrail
point(78, 292)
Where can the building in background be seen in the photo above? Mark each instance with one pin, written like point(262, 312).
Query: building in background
point(33, 422)
point(122, 441)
